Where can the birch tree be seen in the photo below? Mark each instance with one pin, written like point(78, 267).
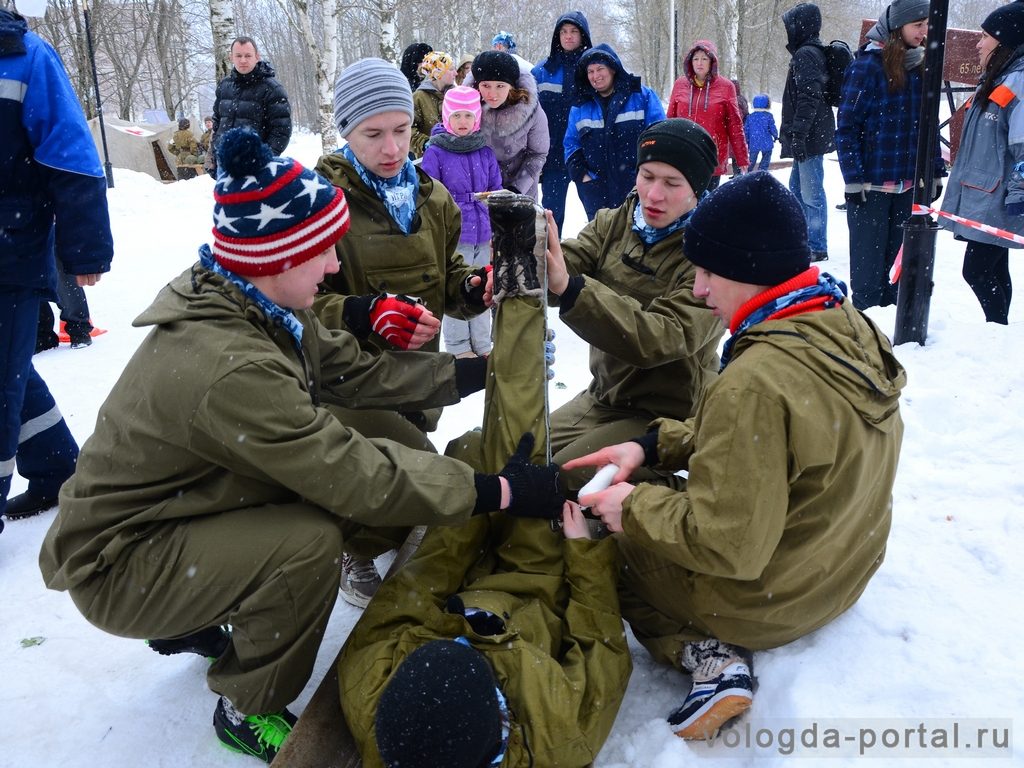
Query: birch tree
point(324, 50)
point(222, 32)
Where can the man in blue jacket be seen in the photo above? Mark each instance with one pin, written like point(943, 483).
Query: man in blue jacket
point(600, 143)
point(556, 89)
point(53, 195)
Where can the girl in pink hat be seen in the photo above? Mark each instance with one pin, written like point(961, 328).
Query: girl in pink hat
point(458, 157)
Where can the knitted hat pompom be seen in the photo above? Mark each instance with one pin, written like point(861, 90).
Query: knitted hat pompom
point(243, 153)
point(270, 214)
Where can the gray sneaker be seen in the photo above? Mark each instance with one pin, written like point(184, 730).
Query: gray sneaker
point(359, 580)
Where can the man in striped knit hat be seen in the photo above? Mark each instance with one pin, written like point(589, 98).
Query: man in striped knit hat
point(218, 490)
point(404, 240)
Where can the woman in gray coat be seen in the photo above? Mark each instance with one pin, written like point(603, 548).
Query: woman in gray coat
point(986, 183)
point(512, 124)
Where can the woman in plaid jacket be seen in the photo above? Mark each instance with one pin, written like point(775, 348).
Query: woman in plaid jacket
point(876, 136)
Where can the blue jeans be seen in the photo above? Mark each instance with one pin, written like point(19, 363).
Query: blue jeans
point(33, 434)
point(554, 184)
point(807, 182)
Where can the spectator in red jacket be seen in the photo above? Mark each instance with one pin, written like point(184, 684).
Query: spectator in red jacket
point(707, 98)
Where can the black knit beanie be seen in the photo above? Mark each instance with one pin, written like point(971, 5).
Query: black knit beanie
point(682, 144)
point(495, 65)
point(751, 230)
point(1006, 24)
point(439, 708)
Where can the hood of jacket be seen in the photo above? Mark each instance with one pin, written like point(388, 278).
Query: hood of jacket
point(512, 118)
point(573, 17)
point(711, 50)
point(602, 54)
point(199, 295)
point(846, 351)
point(12, 31)
point(803, 25)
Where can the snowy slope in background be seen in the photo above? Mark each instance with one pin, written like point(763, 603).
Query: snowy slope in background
point(936, 634)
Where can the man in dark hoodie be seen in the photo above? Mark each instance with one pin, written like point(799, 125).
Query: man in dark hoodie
point(251, 97)
point(612, 110)
point(808, 125)
point(557, 91)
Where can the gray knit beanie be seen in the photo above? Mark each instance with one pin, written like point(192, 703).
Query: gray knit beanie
point(902, 12)
point(367, 88)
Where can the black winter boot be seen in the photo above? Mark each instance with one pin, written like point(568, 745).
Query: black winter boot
point(519, 238)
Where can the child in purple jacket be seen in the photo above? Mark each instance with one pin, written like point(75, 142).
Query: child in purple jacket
point(458, 157)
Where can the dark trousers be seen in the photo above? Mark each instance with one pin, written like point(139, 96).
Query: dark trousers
point(876, 234)
point(74, 309)
point(33, 434)
point(554, 184)
point(987, 271)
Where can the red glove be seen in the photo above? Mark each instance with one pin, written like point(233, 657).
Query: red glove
point(394, 317)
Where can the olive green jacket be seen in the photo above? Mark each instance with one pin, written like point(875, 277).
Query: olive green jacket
point(792, 457)
point(219, 409)
point(652, 343)
point(561, 660)
point(376, 257)
point(426, 108)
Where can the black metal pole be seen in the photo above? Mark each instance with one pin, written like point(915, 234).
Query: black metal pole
point(108, 169)
point(915, 288)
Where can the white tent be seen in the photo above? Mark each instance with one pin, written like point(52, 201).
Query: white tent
point(137, 146)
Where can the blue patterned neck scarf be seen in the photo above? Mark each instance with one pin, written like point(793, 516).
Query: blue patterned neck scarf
point(823, 292)
point(398, 194)
point(651, 235)
point(276, 314)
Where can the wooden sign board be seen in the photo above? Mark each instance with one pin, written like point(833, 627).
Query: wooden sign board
point(959, 65)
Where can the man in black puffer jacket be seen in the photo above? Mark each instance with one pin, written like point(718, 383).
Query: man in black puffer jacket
point(808, 125)
point(251, 96)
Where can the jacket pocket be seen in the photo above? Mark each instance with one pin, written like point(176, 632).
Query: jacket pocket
point(420, 280)
point(983, 181)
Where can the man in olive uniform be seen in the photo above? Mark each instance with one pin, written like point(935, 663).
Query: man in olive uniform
point(791, 455)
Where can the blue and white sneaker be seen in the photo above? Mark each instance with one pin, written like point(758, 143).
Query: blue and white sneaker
point(713, 703)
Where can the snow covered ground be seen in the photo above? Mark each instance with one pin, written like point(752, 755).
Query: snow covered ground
point(936, 638)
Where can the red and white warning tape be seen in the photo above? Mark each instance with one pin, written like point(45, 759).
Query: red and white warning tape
point(924, 210)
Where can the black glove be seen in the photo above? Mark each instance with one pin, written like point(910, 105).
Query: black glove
point(473, 295)
point(936, 189)
point(799, 152)
point(649, 442)
point(855, 193)
point(470, 375)
point(534, 488)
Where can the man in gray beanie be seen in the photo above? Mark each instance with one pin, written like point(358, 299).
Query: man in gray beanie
point(402, 241)
point(791, 454)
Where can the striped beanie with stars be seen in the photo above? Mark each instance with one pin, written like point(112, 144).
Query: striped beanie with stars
point(270, 214)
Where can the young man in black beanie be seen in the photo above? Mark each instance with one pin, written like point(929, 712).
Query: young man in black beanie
point(625, 286)
point(791, 455)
